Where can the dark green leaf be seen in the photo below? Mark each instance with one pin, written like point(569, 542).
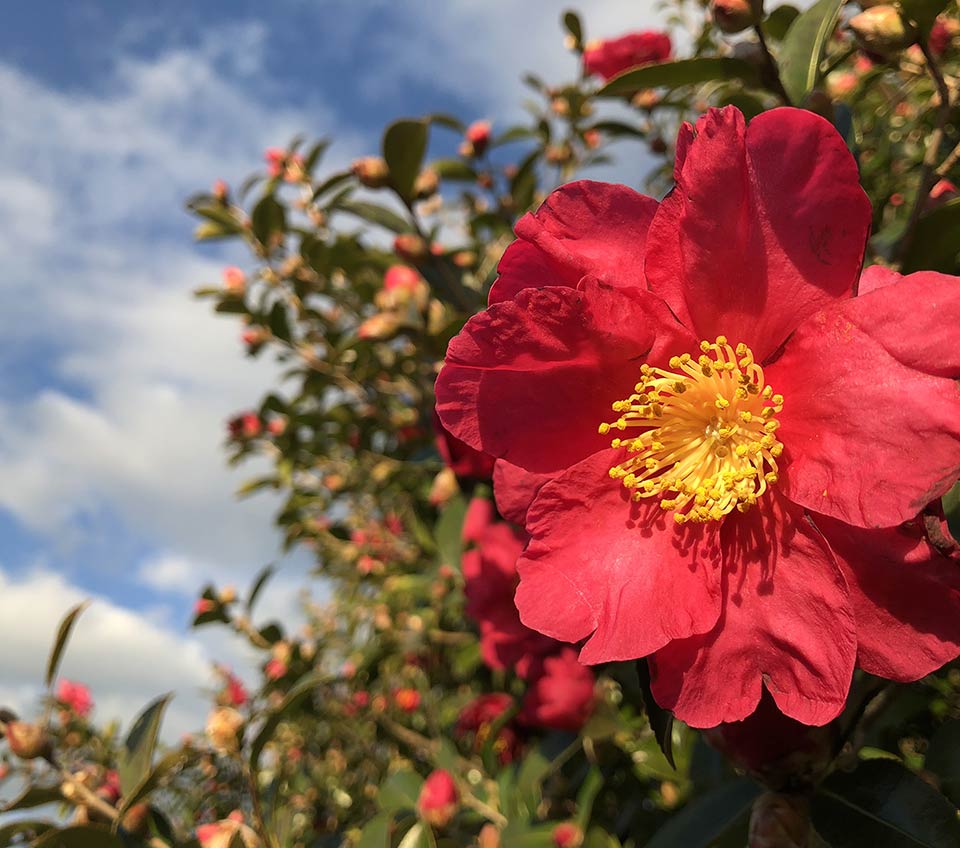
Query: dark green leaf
point(529, 776)
point(571, 22)
point(136, 756)
point(278, 321)
point(376, 215)
point(304, 687)
point(708, 817)
point(746, 103)
point(449, 531)
point(661, 720)
point(33, 796)
point(934, 245)
point(404, 145)
point(943, 754)
point(419, 836)
point(269, 220)
point(313, 156)
point(60, 643)
point(376, 833)
point(219, 215)
point(778, 21)
point(524, 183)
point(166, 765)
point(449, 121)
point(332, 182)
point(923, 13)
point(81, 836)
point(514, 134)
point(618, 128)
point(258, 584)
point(682, 72)
point(453, 169)
point(883, 805)
point(803, 48)
point(26, 829)
point(400, 791)
point(951, 508)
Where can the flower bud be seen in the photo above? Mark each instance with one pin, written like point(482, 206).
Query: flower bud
point(444, 487)
point(234, 280)
point(489, 836)
point(383, 325)
point(224, 727)
point(882, 30)
point(228, 594)
point(438, 799)
point(372, 171)
point(477, 138)
point(780, 821)
point(136, 820)
point(407, 700)
point(28, 741)
point(567, 835)
point(732, 16)
point(426, 184)
point(227, 833)
point(410, 247)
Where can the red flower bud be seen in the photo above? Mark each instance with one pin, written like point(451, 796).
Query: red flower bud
point(609, 58)
point(410, 247)
point(567, 835)
point(234, 280)
point(478, 137)
point(407, 700)
point(438, 799)
point(732, 16)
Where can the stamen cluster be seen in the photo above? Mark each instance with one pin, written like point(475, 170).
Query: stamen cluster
point(708, 443)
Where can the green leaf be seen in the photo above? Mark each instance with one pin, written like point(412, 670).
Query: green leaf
point(514, 134)
point(454, 169)
point(589, 789)
point(709, 817)
point(951, 508)
point(24, 829)
point(449, 121)
point(934, 245)
point(81, 836)
point(778, 21)
point(449, 531)
point(534, 766)
point(524, 183)
point(258, 583)
point(224, 217)
point(167, 764)
point(60, 643)
point(617, 129)
point(136, 756)
point(332, 182)
point(803, 48)
point(419, 836)
point(404, 145)
point(33, 796)
point(298, 693)
point(268, 220)
point(597, 837)
point(376, 833)
point(314, 154)
point(278, 321)
point(571, 22)
point(923, 13)
point(680, 73)
point(883, 805)
point(661, 720)
point(376, 214)
point(400, 791)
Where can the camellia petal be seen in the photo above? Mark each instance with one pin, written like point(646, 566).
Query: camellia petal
point(766, 225)
point(871, 418)
point(530, 379)
point(515, 488)
point(786, 624)
point(905, 597)
point(599, 566)
point(583, 228)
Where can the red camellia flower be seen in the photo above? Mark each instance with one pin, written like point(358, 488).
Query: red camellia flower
point(478, 718)
point(616, 55)
point(76, 696)
point(560, 694)
point(746, 517)
point(490, 582)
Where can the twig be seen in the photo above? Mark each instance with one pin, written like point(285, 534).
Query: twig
point(772, 66)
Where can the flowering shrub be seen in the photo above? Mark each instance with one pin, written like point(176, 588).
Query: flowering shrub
point(636, 509)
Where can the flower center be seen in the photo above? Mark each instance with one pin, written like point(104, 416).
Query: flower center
point(707, 443)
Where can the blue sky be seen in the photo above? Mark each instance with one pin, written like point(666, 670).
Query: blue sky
point(115, 382)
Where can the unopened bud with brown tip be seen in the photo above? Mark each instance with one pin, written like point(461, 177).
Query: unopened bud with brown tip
point(372, 171)
point(411, 247)
point(426, 184)
point(136, 820)
point(882, 30)
point(28, 741)
point(732, 16)
point(224, 726)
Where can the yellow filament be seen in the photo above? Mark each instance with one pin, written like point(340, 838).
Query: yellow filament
point(707, 436)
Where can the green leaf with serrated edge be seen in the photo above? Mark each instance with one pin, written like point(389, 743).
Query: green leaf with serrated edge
point(33, 796)
point(60, 643)
point(136, 756)
point(268, 220)
point(258, 583)
point(778, 22)
point(376, 832)
point(404, 146)
point(25, 828)
point(165, 766)
point(661, 720)
point(680, 73)
point(296, 695)
point(708, 817)
point(376, 214)
point(453, 169)
point(400, 791)
point(923, 13)
point(803, 48)
point(883, 805)
point(79, 836)
point(934, 245)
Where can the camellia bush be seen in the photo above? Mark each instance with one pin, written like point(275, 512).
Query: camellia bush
point(634, 513)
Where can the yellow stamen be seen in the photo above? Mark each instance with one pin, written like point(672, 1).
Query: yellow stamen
point(708, 441)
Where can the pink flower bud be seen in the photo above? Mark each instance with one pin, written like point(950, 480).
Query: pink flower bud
point(275, 157)
point(478, 137)
point(407, 700)
point(438, 799)
point(76, 697)
point(203, 606)
point(567, 835)
point(234, 280)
